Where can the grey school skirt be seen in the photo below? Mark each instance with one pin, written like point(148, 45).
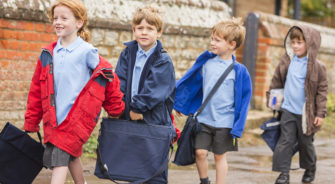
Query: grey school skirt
point(55, 157)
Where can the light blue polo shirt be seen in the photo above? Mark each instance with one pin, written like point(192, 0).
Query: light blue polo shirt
point(73, 67)
point(141, 58)
point(219, 112)
point(294, 90)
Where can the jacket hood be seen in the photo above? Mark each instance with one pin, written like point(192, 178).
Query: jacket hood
point(312, 38)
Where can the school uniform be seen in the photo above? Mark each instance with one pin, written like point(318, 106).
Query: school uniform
point(68, 89)
point(148, 83)
point(305, 95)
point(190, 95)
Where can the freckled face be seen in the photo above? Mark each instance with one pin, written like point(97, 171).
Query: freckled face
point(65, 24)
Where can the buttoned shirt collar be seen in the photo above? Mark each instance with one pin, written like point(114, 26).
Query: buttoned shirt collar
point(303, 59)
point(70, 47)
point(140, 51)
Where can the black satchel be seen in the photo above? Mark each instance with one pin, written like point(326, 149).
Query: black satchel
point(21, 156)
point(185, 154)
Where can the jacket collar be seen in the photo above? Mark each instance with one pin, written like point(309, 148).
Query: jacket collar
point(133, 46)
point(103, 64)
point(50, 47)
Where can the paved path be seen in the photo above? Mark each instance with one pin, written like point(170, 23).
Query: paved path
point(250, 165)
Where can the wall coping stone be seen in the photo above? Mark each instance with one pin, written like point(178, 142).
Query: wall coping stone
point(272, 27)
point(180, 16)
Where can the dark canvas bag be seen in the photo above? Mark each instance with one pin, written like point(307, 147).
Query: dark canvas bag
point(21, 157)
point(133, 151)
point(185, 154)
point(271, 131)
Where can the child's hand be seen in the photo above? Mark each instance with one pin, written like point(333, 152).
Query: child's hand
point(135, 116)
point(318, 121)
point(179, 114)
point(112, 117)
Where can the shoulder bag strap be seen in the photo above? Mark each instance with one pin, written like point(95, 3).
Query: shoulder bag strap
point(217, 85)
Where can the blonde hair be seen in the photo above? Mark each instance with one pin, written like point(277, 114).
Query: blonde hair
point(79, 11)
point(230, 30)
point(151, 15)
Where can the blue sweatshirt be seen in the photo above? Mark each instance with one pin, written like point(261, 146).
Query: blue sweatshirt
point(189, 92)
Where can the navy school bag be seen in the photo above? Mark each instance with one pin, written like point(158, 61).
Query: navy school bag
point(271, 133)
point(133, 151)
point(21, 157)
point(185, 154)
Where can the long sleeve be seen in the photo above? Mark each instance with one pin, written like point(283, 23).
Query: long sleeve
point(246, 96)
point(157, 87)
point(321, 95)
point(34, 110)
point(113, 103)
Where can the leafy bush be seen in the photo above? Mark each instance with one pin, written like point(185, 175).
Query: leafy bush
point(331, 103)
point(90, 146)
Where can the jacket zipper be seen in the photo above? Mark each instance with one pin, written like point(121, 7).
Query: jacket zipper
point(93, 74)
point(51, 71)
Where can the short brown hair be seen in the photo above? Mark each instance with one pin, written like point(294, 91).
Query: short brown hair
point(296, 33)
point(79, 11)
point(151, 15)
point(230, 30)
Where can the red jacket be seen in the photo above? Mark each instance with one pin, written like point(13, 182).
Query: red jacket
point(102, 90)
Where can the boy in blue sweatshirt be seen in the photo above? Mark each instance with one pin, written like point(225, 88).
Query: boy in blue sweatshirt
point(223, 118)
point(147, 75)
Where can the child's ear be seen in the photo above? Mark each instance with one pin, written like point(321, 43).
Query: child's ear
point(233, 45)
point(80, 23)
point(159, 34)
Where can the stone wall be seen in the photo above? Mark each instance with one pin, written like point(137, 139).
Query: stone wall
point(24, 30)
point(272, 32)
point(243, 7)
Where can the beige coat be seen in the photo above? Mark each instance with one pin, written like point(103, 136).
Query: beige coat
point(316, 84)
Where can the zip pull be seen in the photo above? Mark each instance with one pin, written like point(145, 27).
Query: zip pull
point(51, 68)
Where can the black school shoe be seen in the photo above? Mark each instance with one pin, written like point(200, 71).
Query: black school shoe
point(283, 178)
point(205, 181)
point(309, 176)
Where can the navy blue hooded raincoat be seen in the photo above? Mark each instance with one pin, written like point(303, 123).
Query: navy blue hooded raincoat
point(156, 88)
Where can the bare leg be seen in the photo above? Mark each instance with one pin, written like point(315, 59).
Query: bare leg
point(201, 162)
point(59, 175)
point(76, 170)
point(221, 168)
